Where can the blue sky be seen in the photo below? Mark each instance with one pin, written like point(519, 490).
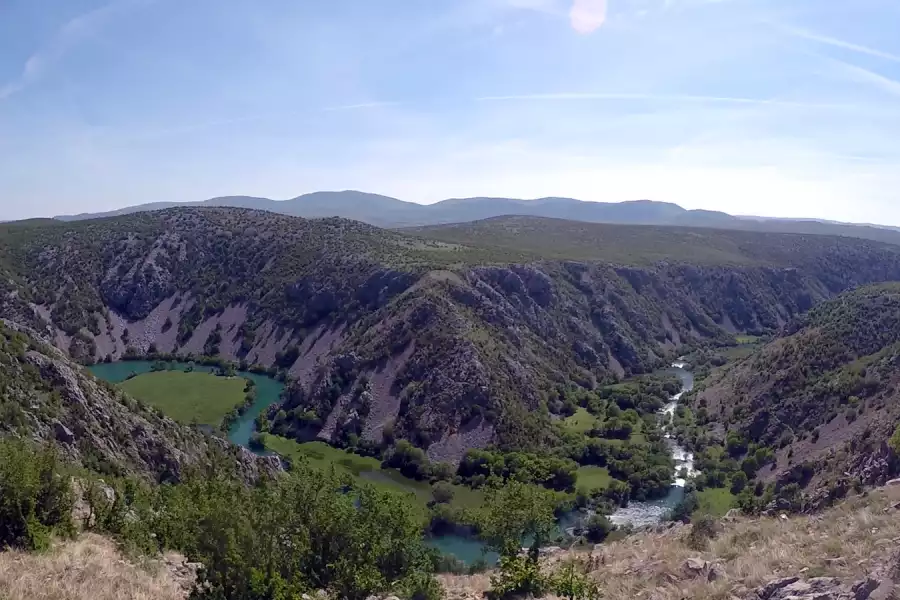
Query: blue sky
point(775, 107)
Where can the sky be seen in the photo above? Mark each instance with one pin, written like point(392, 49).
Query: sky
point(787, 108)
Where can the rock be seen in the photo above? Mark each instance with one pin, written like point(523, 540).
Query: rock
point(893, 483)
point(769, 590)
point(732, 514)
point(863, 589)
point(550, 550)
point(697, 567)
point(695, 564)
point(63, 433)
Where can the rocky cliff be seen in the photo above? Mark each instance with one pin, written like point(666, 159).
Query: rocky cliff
point(45, 397)
point(824, 393)
point(451, 343)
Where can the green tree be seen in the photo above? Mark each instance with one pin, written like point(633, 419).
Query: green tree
point(35, 496)
point(514, 513)
point(738, 482)
point(598, 529)
point(895, 440)
point(442, 492)
point(570, 581)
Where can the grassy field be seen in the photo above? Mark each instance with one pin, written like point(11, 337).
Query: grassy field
point(715, 501)
point(581, 422)
point(591, 478)
point(367, 469)
point(188, 397)
point(739, 352)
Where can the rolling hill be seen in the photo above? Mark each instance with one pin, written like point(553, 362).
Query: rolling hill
point(824, 393)
point(384, 211)
point(454, 337)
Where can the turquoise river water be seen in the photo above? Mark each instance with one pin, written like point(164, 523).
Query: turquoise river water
point(465, 549)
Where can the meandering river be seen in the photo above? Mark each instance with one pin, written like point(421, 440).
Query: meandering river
point(466, 549)
point(268, 392)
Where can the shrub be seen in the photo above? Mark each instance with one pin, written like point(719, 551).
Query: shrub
point(895, 440)
point(35, 497)
point(442, 492)
point(703, 529)
point(598, 529)
point(572, 582)
point(518, 576)
point(684, 509)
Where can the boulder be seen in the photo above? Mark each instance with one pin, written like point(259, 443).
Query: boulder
point(63, 434)
point(697, 567)
point(770, 589)
point(827, 588)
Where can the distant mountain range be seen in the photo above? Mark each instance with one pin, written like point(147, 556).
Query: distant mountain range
point(384, 211)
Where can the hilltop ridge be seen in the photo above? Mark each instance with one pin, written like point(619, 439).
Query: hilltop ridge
point(460, 341)
point(384, 211)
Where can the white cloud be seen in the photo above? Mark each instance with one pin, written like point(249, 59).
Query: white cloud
point(587, 16)
point(74, 31)
point(359, 106)
point(838, 43)
point(564, 96)
point(885, 84)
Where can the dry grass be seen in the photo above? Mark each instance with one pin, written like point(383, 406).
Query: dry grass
point(90, 568)
point(848, 542)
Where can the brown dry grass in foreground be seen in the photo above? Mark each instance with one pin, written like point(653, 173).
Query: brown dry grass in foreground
point(849, 541)
point(91, 568)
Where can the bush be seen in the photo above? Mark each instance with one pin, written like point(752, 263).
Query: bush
point(572, 582)
point(518, 576)
point(279, 539)
point(738, 482)
point(442, 492)
point(35, 497)
point(704, 529)
point(412, 462)
point(684, 509)
point(598, 529)
point(895, 440)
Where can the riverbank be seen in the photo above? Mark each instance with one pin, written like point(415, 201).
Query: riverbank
point(640, 514)
point(463, 499)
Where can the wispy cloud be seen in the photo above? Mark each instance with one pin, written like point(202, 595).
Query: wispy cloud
point(857, 73)
point(837, 43)
point(587, 16)
point(664, 98)
point(359, 106)
point(71, 33)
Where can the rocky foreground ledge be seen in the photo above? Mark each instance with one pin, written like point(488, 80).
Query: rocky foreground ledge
point(848, 552)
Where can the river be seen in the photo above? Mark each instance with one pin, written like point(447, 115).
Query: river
point(268, 392)
point(639, 514)
point(466, 549)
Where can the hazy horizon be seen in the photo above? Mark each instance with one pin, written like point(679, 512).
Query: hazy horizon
point(190, 202)
point(786, 109)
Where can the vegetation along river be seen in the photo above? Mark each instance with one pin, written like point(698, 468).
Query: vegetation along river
point(466, 549)
point(648, 513)
point(268, 391)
